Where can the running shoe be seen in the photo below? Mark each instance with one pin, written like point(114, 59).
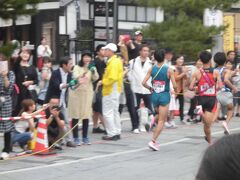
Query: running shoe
point(173, 124)
point(136, 131)
point(184, 121)
point(142, 129)
point(167, 124)
point(225, 127)
point(4, 156)
point(153, 146)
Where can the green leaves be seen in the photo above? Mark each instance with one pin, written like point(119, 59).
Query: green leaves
point(7, 49)
point(10, 9)
point(183, 28)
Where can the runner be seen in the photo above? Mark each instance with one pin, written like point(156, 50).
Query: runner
point(206, 79)
point(224, 95)
point(161, 75)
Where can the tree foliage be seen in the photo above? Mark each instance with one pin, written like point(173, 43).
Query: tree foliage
point(183, 29)
point(11, 9)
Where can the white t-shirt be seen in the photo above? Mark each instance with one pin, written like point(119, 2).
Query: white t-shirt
point(44, 51)
point(22, 125)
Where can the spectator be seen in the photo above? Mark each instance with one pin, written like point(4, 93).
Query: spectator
point(42, 51)
point(129, 97)
point(180, 74)
point(168, 56)
point(135, 46)
point(236, 82)
point(26, 78)
point(193, 101)
point(24, 128)
point(138, 69)
point(123, 44)
point(58, 86)
point(237, 51)
point(221, 160)
point(80, 98)
point(97, 104)
point(44, 78)
point(55, 122)
point(112, 87)
point(7, 79)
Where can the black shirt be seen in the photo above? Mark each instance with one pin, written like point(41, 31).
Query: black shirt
point(100, 66)
point(133, 53)
point(53, 124)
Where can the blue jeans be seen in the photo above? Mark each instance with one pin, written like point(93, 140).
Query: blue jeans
point(21, 138)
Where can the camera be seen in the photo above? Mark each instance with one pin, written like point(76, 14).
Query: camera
point(56, 108)
point(126, 38)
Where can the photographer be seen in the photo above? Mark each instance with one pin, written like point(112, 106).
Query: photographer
point(55, 122)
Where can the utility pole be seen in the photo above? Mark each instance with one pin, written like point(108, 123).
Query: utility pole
point(107, 20)
point(115, 21)
point(77, 6)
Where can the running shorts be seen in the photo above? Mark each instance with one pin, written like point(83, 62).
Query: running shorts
point(160, 99)
point(208, 103)
point(225, 98)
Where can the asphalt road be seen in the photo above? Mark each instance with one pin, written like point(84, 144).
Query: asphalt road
point(179, 157)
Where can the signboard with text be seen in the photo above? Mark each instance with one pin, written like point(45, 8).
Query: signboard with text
point(100, 21)
point(228, 37)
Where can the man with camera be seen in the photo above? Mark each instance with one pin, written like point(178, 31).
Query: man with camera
point(55, 122)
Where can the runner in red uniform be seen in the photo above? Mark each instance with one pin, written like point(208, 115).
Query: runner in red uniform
point(207, 79)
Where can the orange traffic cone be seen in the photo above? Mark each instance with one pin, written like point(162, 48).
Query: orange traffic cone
point(41, 146)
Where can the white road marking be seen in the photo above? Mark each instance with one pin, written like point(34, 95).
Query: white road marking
point(103, 156)
point(90, 158)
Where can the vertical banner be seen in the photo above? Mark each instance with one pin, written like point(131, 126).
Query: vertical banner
point(228, 37)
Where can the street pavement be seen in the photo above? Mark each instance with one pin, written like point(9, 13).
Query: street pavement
point(179, 157)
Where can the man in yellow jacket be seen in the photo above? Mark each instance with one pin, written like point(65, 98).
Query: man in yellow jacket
point(112, 87)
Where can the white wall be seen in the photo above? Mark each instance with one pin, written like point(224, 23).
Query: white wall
point(130, 25)
point(159, 15)
point(84, 10)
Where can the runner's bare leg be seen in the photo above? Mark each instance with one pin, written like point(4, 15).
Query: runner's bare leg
point(208, 119)
point(162, 116)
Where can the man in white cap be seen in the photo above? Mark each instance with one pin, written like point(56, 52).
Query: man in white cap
point(133, 50)
point(112, 86)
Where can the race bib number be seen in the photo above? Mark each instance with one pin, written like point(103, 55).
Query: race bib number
point(159, 86)
point(208, 90)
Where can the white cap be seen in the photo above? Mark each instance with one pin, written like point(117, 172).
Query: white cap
point(138, 32)
point(111, 46)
